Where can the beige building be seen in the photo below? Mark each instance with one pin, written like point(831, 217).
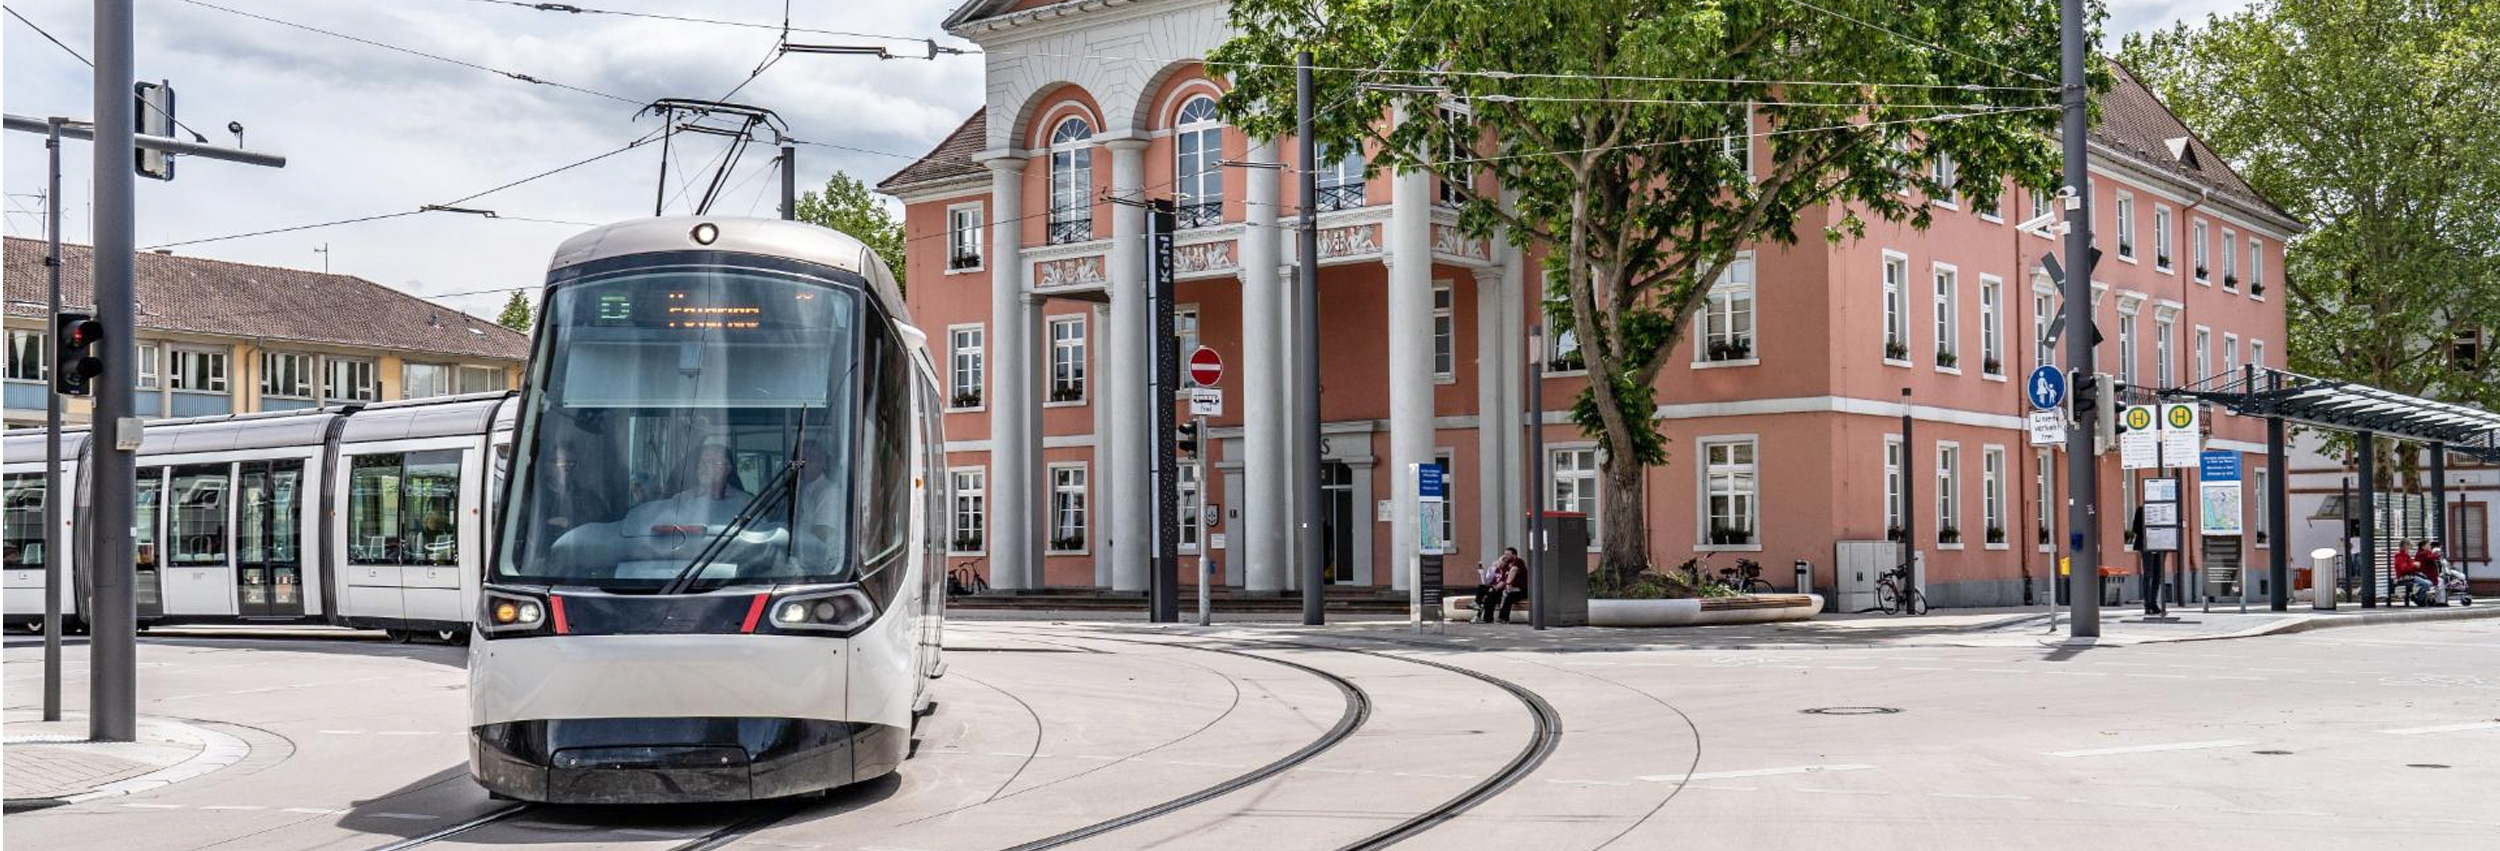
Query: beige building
point(219, 338)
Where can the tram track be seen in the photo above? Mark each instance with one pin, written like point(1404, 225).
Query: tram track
point(1542, 741)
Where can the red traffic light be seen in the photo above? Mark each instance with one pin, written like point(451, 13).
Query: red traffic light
point(83, 332)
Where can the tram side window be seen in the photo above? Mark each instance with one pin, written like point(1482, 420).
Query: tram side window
point(404, 508)
point(143, 515)
point(885, 447)
point(199, 529)
point(23, 520)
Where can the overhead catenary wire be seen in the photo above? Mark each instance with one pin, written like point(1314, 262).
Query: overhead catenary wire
point(568, 8)
point(516, 75)
point(82, 59)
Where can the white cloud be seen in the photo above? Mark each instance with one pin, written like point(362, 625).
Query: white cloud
point(368, 130)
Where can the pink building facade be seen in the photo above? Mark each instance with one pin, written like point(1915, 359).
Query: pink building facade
point(1782, 406)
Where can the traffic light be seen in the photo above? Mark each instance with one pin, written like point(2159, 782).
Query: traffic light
point(2096, 408)
point(75, 362)
point(1187, 442)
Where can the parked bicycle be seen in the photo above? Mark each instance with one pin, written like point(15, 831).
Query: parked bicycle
point(1895, 593)
point(964, 581)
point(1746, 577)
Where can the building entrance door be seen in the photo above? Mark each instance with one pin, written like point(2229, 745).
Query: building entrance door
point(1336, 483)
point(269, 555)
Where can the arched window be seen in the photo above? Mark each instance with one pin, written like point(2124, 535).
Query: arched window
point(1197, 143)
point(1071, 182)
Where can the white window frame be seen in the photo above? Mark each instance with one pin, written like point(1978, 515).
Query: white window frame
point(2230, 261)
point(302, 363)
point(2127, 360)
point(35, 341)
point(2163, 260)
point(217, 378)
point(967, 366)
point(1739, 482)
point(1444, 333)
point(2200, 249)
point(1558, 344)
point(2124, 214)
point(151, 366)
point(1896, 313)
point(2043, 312)
point(1991, 326)
point(1448, 461)
point(2256, 268)
point(2261, 526)
point(1739, 145)
point(2230, 355)
point(1895, 468)
point(2040, 206)
point(408, 368)
point(1185, 340)
point(369, 391)
point(1720, 315)
point(1949, 494)
point(2165, 353)
point(1198, 128)
point(2256, 353)
point(1586, 485)
point(964, 241)
point(1188, 477)
point(1069, 494)
point(1992, 497)
point(1949, 180)
point(2044, 506)
point(2204, 353)
point(958, 493)
point(1948, 308)
point(1071, 178)
point(1069, 352)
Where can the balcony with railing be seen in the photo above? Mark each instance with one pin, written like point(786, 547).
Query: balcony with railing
point(1070, 226)
point(1343, 196)
point(1198, 215)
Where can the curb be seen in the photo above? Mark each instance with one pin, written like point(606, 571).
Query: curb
point(217, 750)
point(2312, 623)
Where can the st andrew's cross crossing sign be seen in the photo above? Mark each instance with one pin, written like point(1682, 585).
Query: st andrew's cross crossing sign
point(1206, 368)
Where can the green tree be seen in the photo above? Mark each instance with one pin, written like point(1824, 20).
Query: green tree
point(516, 313)
point(847, 206)
point(2373, 122)
point(1607, 123)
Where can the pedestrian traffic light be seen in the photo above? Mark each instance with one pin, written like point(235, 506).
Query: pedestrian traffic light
point(1187, 442)
point(75, 362)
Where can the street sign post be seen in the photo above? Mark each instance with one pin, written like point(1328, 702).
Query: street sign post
point(1432, 492)
point(2139, 445)
point(2182, 434)
point(1206, 368)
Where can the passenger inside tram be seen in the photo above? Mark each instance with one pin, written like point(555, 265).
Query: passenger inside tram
point(713, 500)
point(572, 497)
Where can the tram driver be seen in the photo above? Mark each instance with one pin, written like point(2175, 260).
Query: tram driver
point(714, 499)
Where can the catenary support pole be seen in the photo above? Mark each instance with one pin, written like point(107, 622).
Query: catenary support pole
point(1305, 455)
point(2278, 515)
point(2367, 444)
point(112, 647)
point(1534, 379)
point(2438, 517)
point(2083, 473)
point(53, 493)
point(1909, 498)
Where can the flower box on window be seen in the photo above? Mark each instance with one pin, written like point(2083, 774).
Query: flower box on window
point(1730, 535)
point(1738, 348)
point(1992, 366)
point(2261, 537)
point(1067, 394)
point(1949, 535)
point(2200, 273)
point(1947, 359)
point(2044, 536)
point(960, 262)
point(968, 399)
point(2161, 260)
point(1892, 533)
point(1996, 534)
point(2229, 281)
point(1068, 544)
point(1571, 362)
point(2257, 288)
point(2126, 248)
point(1896, 350)
point(967, 542)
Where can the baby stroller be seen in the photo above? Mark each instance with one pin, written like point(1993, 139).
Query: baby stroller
point(2453, 581)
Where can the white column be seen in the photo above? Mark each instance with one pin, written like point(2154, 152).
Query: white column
point(1130, 352)
point(1492, 440)
point(1012, 534)
point(1289, 407)
point(1264, 521)
point(1106, 467)
point(1513, 341)
point(1410, 360)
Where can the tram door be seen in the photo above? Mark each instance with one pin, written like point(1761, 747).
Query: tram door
point(1336, 483)
point(269, 566)
point(148, 585)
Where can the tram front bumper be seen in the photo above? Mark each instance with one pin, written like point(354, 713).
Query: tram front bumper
point(675, 760)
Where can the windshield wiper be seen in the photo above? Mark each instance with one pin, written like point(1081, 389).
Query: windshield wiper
point(784, 484)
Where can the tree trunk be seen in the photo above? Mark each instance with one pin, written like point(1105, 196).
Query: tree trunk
point(1625, 528)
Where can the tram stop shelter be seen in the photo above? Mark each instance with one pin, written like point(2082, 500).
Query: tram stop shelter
point(2368, 413)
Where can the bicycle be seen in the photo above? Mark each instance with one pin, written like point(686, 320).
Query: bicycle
point(1745, 577)
point(1895, 593)
point(964, 581)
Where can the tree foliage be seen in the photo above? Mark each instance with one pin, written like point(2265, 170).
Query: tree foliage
point(2374, 123)
point(516, 313)
point(1604, 123)
point(846, 205)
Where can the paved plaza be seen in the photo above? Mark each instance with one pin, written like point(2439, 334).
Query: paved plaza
point(1972, 730)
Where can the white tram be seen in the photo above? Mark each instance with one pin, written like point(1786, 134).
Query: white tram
point(374, 516)
point(717, 576)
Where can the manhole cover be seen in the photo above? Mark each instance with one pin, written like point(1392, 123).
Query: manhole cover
point(2424, 765)
point(1852, 710)
point(2272, 753)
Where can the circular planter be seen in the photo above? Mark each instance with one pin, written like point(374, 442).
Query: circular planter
point(1751, 608)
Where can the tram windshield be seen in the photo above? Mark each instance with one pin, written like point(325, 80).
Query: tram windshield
point(688, 429)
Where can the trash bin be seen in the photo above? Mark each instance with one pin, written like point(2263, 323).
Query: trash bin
point(2322, 578)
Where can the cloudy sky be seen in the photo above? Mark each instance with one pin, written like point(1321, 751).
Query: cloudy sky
point(370, 131)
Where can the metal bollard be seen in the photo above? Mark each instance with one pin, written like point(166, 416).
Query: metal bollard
point(2322, 579)
point(1805, 577)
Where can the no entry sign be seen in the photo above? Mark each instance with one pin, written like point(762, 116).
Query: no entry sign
point(1206, 368)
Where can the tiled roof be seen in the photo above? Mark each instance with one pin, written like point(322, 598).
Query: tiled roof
point(951, 158)
point(2134, 120)
point(201, 296)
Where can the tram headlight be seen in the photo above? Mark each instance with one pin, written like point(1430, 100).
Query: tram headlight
point(837, 610)
point(511, 613)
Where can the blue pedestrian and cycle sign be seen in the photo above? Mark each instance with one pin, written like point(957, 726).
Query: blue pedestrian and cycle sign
point(2046, 387)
